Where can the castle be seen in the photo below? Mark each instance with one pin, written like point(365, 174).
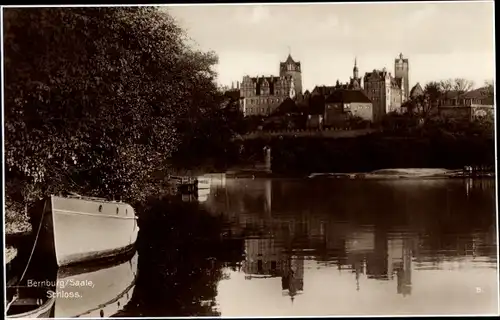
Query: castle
point(262, 95)
point(386, 92)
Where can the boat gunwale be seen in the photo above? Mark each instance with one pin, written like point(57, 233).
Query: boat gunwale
point(99, 215)
point(118, 297)
point(92, 199)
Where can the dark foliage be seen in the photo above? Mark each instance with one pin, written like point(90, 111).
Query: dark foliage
point(404, 143)
point(94, 97)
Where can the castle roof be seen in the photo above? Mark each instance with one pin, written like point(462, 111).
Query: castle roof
point(401, 58)
point(482, 94)
point(376, 74)
point(324, 90)
point(233, 94)
point(347, 96)
point(262, 79)
point(416, 90)
point(473, 94)
point(477, 93)
point(289, 60)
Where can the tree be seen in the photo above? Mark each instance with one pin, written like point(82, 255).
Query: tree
point(462, 86)
point(93, 97)
point(434, 90)
point(446, 86)
point(207, 138)
point(426, 103)
point(489, 88)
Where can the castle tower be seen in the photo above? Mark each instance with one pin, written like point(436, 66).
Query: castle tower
point(293, 69)
point(355, 82)
point(292, 92)
point(401, 70)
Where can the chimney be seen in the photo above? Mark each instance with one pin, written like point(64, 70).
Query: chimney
point(232, 84)
point(237, 84)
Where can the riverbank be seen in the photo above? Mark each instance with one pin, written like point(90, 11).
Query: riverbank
point(406, 173)
point(398, 173)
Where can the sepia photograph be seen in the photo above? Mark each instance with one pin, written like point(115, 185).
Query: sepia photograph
point(250, 160)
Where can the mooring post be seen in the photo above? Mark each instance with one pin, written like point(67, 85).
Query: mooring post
point(267, 158)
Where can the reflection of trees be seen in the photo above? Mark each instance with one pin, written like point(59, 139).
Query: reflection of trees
point(436, 210)
point(179, 270)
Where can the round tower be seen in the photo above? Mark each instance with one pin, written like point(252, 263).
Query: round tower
point(293, 69)
point(402, 70)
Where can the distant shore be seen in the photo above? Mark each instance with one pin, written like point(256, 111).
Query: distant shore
point(384, 174)
point(407, 173)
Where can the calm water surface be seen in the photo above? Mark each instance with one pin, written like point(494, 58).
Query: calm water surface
point(303, 248)
point(331, 247)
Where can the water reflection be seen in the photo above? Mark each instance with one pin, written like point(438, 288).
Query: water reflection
point(432, 243)
point(95, 290)
point(182, 258)
point(264, 259)
point(259, 247)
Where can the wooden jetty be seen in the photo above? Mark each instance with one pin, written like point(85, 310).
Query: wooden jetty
point(183, 184)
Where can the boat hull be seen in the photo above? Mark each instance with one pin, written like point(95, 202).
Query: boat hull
point(79, 229)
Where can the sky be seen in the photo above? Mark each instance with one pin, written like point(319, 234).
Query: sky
point(441, 40)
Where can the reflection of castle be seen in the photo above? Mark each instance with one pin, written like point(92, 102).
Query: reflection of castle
point(267, 258)
point(303, 219)
point(391, 257)
point(292, 280)
point(404, 272)
point(263, 258)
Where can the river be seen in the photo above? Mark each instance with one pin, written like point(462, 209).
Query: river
point(304, 247)
point(360, 247)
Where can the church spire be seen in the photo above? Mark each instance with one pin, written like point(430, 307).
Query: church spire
point(355, 69)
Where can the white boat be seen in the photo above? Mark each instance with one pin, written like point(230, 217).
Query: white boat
point(97, 291)
point(77, 229)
